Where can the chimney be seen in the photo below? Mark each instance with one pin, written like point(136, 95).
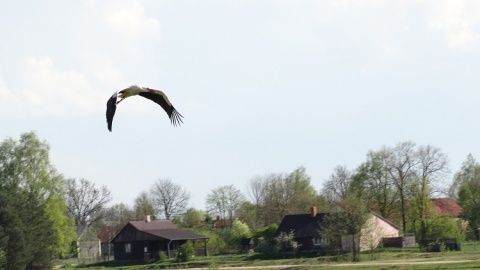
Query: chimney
point(313, 211)
point(218, 218)
point(147, 218)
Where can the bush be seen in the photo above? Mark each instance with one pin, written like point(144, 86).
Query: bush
point(185, 252)
point(162, 257)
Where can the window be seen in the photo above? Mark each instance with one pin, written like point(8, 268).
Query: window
point(128, 248)
point(320, 241)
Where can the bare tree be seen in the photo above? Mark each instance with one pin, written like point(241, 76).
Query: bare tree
point(277, 194)
point(404, 163)
point(256, 190)
point(224, 202)
point(85, 202)
point(169, 198)
point(338, 185)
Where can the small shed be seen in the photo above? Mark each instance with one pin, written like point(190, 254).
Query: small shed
point(247, 244)
point(140, 240)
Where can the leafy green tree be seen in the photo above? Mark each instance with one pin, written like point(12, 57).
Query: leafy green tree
point(442, 228)
point(193, 218)
point(33, 226)
point(143, 206)
point(236, 233)
point(467, 185)
point(373, 181)
point(266, 232)
point(432, 165)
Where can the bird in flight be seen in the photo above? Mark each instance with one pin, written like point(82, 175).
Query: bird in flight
point(156, 96)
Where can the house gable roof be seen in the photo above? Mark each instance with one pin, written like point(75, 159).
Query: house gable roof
point(303, 225)
point(160, 229)
point(107, 233)
point(386, 221)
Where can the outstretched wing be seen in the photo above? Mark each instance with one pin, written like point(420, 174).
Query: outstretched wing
point(111, 107)
point(161, 99)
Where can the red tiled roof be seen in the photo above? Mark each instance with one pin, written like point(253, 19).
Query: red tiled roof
point(447, 207)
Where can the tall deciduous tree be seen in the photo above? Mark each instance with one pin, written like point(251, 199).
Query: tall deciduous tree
point(338, 184)
point(277, 194)
point(169, 198)
point(348, 222)
point(193, 218)
point(33, 226)
point(143, 206)
point(85, 201)
point(467, 186)
point(374, 182)
point(432, 165)
point(117, 214)
point(224, 202)
point(404, 163)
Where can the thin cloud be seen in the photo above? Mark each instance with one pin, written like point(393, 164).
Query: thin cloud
point(458, 21)
point(132, 22)
point(47, 90)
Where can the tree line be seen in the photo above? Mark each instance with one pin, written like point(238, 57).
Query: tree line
point(42, 213)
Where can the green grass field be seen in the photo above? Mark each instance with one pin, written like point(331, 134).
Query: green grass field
point(392, 258)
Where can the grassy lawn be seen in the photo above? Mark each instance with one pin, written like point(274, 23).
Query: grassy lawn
point(392, 258)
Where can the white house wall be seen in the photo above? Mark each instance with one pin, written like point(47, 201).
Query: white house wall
point(371, 235)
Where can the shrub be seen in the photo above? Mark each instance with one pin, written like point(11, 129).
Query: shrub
point(162, 257)
point(185, 252)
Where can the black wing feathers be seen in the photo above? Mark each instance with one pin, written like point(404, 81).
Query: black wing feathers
point(111, 107)
point(174, 115)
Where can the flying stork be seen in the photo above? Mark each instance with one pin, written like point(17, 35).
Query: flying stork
point(156, 96)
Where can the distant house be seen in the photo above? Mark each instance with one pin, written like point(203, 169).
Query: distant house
point(306, 230)
point(105, 235)
point(376, 228)
point(140, 240)
point(220, 223)
point(87, 243)
point(246, 244)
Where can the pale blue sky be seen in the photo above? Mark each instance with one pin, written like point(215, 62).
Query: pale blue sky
point(264, 86)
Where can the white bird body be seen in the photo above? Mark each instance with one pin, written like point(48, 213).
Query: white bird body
point(156, 96)
point(131, 91)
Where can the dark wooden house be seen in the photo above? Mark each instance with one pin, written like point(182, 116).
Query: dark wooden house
point(139, 240)
point(307, 232)
point(305, 228)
